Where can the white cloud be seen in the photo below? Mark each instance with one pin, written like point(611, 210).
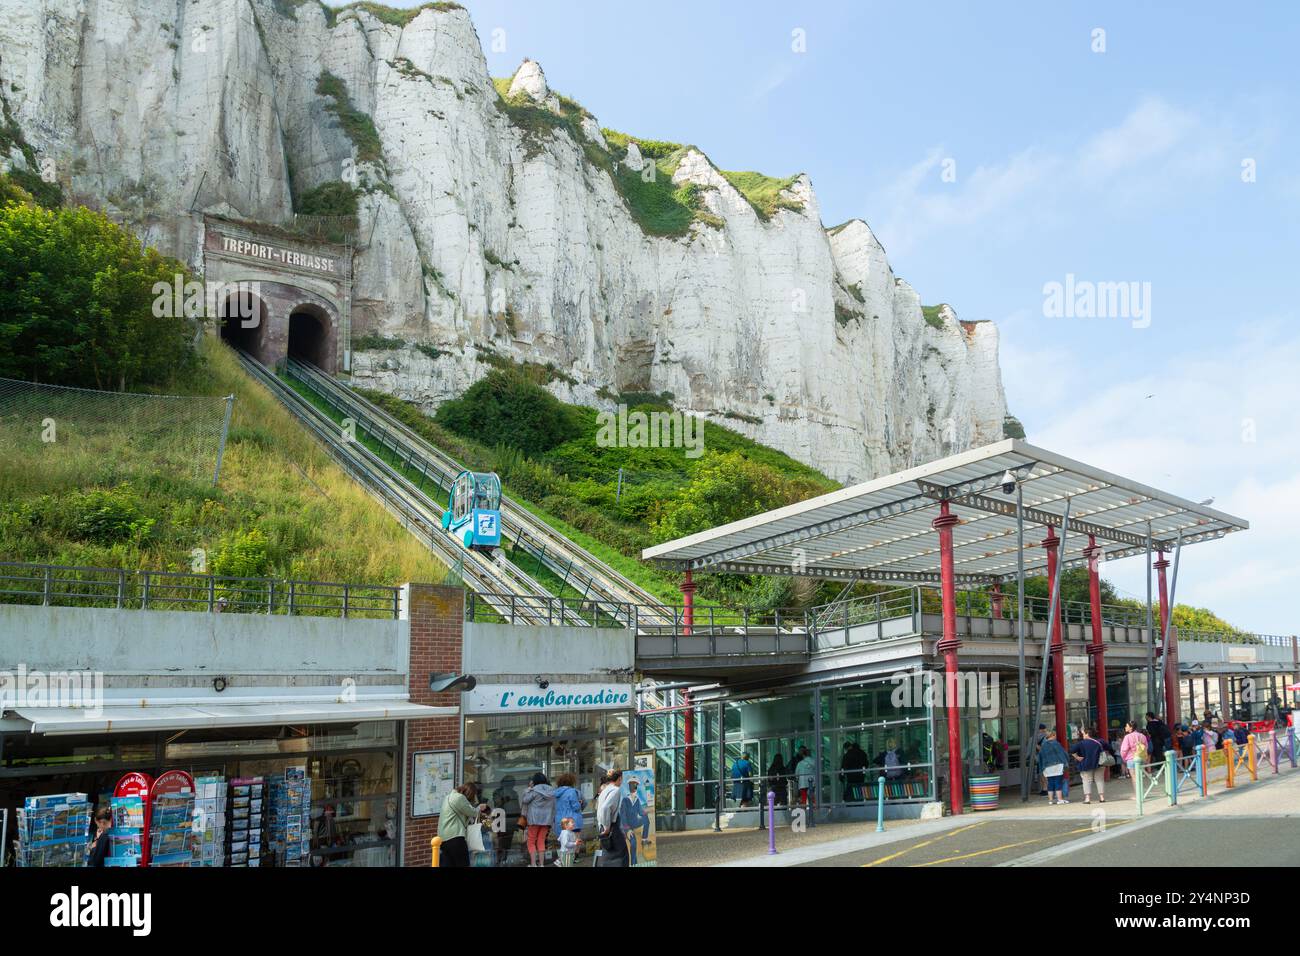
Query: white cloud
point(1189, 439)
point(1154, 152)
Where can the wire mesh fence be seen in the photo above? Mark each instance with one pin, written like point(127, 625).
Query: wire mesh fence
point(44, 427)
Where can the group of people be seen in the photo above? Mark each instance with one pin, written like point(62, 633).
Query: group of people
point(1089, 754)
point(801, 770)
point(1145, 743)
point(547, 813)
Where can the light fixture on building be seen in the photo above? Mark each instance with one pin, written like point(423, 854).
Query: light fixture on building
point(439, 683)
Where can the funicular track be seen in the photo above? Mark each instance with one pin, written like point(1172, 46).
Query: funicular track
point(494, 580)
point(576, 567)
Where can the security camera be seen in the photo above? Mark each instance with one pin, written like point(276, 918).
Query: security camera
point(1008, 483)
point(543, 683)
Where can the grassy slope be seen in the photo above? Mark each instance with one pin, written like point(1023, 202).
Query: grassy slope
point(318, 523)
point(579, 481)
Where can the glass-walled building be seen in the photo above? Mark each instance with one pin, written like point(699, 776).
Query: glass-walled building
point(832, 744)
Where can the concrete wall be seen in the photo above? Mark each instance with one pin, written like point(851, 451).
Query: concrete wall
point(165, 651)
point(502, 650)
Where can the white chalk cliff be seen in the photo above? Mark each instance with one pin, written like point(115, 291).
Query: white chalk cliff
point(484, 235)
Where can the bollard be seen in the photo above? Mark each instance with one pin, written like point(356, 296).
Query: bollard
point(1171, 777)
point(1229, 748)
point(1137, 783)
point(771, 822)
point(1250, 757)
point(880, 804)
point(435, 850)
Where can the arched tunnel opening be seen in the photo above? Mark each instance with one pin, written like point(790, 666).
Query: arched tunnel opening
point(243, 322)
point(309, 339)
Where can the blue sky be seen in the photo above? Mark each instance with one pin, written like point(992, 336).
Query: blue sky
point(1115, 166)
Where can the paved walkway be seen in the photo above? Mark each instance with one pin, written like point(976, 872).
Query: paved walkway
point(1032, 833)
point(707, 848)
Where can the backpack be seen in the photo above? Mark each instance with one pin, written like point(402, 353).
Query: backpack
point(1141, 752)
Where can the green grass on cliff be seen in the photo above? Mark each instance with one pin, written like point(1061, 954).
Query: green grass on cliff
point(282, 509)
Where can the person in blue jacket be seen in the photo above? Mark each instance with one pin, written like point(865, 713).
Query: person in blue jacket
point(568, 803)
point(1053, 762)
point(742, 777)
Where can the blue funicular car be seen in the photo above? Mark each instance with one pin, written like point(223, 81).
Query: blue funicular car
point(474, 513)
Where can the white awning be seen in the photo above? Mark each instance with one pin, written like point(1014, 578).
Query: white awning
point(881, 530)
point(75, 720)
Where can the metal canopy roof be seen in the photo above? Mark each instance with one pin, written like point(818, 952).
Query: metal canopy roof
point(880, 530)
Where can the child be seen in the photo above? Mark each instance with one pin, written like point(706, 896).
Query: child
point(569, 843)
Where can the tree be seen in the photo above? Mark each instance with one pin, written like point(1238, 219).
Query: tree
point(506, 408)
point(78, 303)
point(725, 487)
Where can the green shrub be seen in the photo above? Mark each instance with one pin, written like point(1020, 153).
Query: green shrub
point(108, 516)
point(334, 198)
point(506, 407)
point(242, 554)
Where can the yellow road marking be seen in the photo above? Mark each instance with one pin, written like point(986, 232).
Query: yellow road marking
point(942, 836)
point(1012, 846)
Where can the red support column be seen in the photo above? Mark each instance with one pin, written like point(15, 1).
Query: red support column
point(949, 646)
point(688, 724)
point(1168, 654)
point(1161, 563)
point(1051, 544)
point(1097, 649)
point(996, 599)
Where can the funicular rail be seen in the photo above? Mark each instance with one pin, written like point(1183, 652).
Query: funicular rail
point(417, 513)
point(574, 565)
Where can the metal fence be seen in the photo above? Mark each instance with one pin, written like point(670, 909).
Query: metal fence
point(75, 429)
point(53, 585)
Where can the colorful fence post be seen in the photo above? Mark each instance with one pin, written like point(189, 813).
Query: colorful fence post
point(1201, 760)
point(1276, 755)
point(1290, 734)
point(1250, 757)
point(1138, 783)
point(880, 804)
point(1171, 777)
point(1229, 748)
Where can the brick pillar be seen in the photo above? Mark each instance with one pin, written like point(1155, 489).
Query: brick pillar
point(437, 619)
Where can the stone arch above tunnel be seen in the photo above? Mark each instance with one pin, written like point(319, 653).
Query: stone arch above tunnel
point(302, 291)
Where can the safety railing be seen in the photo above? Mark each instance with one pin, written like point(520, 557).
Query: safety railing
point(1188, 774)
point(52, 585)
point(868, 609)
point(542, 609)
point(1153, 778)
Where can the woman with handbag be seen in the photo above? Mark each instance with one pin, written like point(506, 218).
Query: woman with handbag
point(458, 814)
point(613, 847)
point(538, 803)
point(1089, 752)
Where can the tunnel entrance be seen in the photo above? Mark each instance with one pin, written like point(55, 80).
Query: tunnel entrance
point(243, 322)
point(309, 338)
